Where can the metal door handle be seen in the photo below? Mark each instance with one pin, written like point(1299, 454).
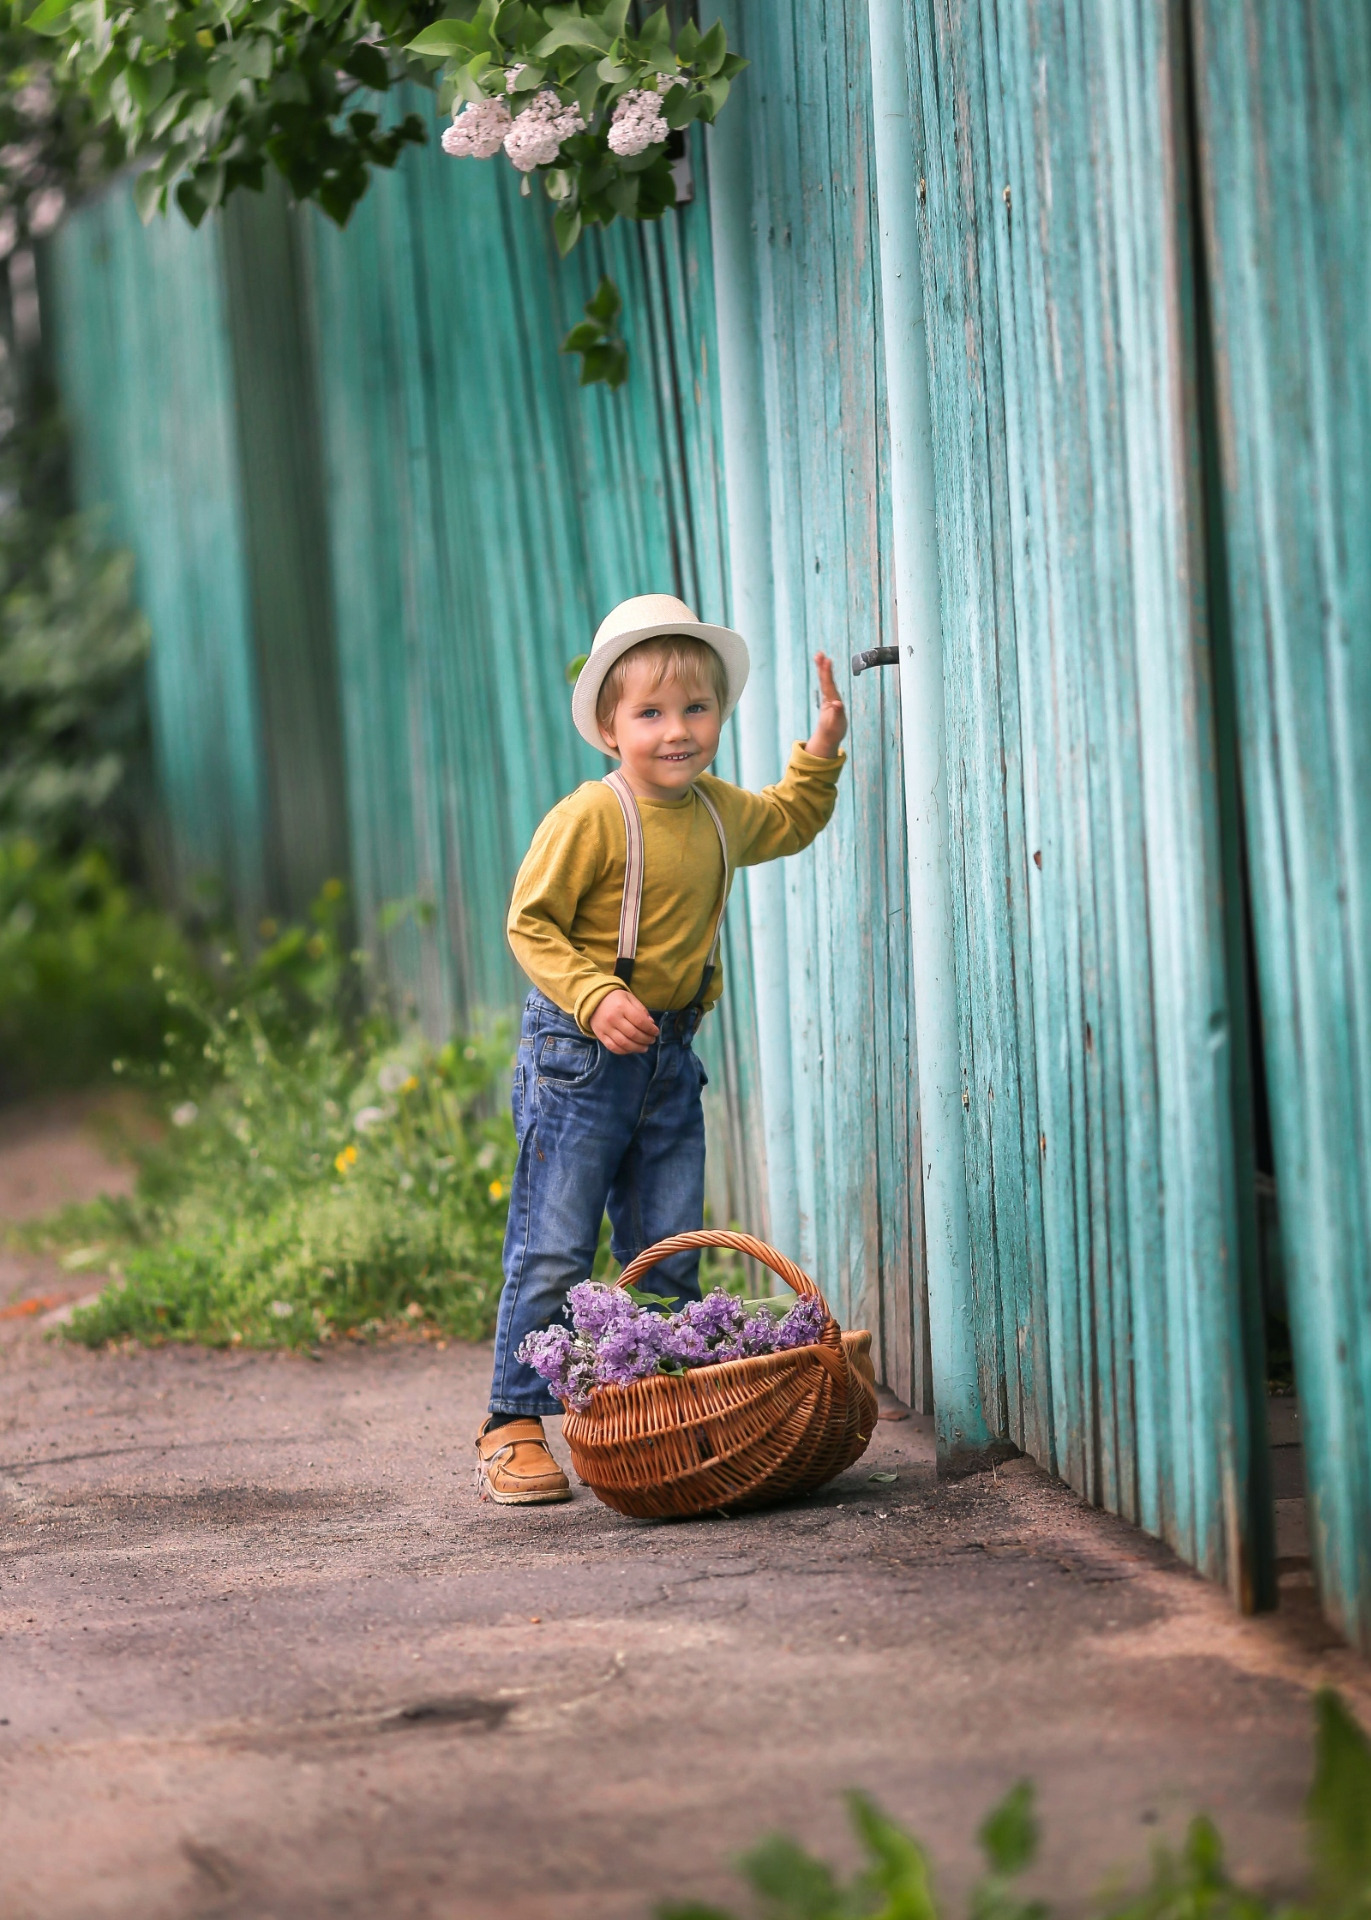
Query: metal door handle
point(875, 657)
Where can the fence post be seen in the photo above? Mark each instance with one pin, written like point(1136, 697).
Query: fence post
point(962, 1434)
point(743, 408)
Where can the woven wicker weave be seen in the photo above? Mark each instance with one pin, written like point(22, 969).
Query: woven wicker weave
point(739, 1434)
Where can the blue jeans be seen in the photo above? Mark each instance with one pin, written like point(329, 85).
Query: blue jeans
point(596, 1130)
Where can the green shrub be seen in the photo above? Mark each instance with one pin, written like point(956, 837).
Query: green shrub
point(73, 715)
point(897, 1884)
point(320, 1171)
point(77, 946)
point(77, 954)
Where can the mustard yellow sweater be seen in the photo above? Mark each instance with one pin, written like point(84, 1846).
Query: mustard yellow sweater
point(564, 917)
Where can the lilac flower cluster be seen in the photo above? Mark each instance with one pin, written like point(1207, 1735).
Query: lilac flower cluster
point(532, 138)
point(612, 1340)
point(478, 131)
point(637, 123)
point(536, 137)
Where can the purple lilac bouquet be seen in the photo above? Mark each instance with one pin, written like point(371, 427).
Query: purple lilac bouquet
point(613, 1338)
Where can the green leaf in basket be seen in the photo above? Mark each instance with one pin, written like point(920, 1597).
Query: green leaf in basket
point(884, 1479)
point(641, 1299)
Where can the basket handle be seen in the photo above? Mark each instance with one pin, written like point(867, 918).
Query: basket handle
point(795, 1277)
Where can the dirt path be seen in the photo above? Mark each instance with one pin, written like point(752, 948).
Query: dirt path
point(261, 1654)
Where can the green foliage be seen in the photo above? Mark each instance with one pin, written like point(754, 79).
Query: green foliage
point(207, 95)
point(202, 97)
point(588, 56)
point(72, 646)
point(1009, 1833)
point(77, 945)
point(77, 953)
point(603, 355)
point(1339, 1811)
point(1194, 1884)
point(319, 1172)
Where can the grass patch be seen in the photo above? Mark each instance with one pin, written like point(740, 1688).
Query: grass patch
point(316, 1174)
point(78, 949)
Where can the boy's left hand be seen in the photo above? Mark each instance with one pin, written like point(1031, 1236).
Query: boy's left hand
point(831, 725)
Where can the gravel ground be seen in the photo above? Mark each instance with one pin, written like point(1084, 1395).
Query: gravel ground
point(263, 1654)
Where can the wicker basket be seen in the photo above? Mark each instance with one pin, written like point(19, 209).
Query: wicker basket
point(739, 1434)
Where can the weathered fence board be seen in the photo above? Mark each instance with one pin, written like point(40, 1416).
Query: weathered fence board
point(141, 340)
point(835, 942)
point(1084, 795)
point(1285, 117)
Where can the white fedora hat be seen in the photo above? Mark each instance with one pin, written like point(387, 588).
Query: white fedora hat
point(646, 617)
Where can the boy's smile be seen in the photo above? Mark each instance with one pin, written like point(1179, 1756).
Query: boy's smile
point(665, 731)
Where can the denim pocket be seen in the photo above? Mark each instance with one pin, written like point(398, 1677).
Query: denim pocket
point(563, 1060)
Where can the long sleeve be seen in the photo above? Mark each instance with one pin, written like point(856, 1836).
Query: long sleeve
point(572, 859)
point(784, 818)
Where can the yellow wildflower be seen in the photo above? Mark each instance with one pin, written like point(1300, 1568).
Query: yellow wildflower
point(346, 1159)
point(496, 1190)
point(408, 1086)
point(332, 889)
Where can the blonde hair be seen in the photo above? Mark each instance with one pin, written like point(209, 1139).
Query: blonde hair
point(672, 656)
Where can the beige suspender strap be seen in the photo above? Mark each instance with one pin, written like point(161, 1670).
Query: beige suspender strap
point(633, 875)
point(713, 813)
point(632, 905)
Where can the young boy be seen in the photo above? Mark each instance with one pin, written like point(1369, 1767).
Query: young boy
point(615, 919)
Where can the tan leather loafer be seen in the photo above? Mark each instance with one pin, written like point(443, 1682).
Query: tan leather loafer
point(515, 1467)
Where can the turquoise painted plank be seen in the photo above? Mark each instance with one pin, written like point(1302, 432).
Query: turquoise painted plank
point(1285, 123)
point(840, 930)
point(1006, 1289)
point(143, 360)
point(284, 514)
point(1106, 1283)
point(942, 1360)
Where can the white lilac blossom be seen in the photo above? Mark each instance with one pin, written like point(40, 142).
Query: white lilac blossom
point(536, 136)
point(512, 75)
point(637, 123)
point(613, 1341)
point(478, 131)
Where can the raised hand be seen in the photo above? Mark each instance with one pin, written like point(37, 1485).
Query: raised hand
point(831, 724)
point(623, 1023)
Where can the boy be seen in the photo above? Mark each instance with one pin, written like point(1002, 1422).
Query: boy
point(615, 919)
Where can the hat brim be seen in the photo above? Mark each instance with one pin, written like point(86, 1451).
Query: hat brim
point(730, 647)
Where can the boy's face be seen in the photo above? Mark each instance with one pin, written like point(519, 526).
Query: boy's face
point(665, 735)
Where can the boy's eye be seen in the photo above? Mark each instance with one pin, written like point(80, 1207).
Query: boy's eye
point(698, 706)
